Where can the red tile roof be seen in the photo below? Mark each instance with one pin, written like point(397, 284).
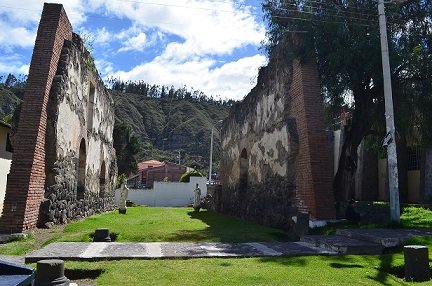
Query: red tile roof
point(151, 163)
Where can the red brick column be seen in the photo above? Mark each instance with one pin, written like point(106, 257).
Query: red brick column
point(26, 180)
point(313, 164)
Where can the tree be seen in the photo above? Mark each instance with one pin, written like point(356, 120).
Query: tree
point(127, 146)
point(10, 81)
point(192, 173)
point(344, 36)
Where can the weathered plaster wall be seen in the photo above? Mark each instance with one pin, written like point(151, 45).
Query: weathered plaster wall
point(270, 136)
point(80, 110)
point(259, 125)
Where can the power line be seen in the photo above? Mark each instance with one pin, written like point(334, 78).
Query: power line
point(250, 12)
point(328, 15)
point(321, 21)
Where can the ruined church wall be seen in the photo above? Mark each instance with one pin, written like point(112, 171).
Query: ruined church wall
point(260, 143)
point(275, 153)
point(80, 112)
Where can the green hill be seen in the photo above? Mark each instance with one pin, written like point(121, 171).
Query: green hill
point(170, 125)
point(167, 120)
point(8, 102)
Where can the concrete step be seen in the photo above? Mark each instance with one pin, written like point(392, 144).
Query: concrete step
point(385, 237)
point(343, 245)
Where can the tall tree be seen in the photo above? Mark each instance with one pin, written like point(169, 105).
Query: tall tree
point(127, 145)
point(344, 35)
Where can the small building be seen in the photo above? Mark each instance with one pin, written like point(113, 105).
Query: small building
point(154, 171)
point(5, 158)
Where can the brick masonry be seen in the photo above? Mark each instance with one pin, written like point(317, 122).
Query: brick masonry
point(313, 164)
point(26, 180)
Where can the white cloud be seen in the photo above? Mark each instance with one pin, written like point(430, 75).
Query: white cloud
point(232, 80)
point(208, 27)
point(19, 19)
point(16, 36)
point(205, 32)
point(104, 66)
point(136, 43)
point(102, 36)
point(13, 66)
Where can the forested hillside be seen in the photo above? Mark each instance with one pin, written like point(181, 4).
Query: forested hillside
point(152, 122)
point(170, 121)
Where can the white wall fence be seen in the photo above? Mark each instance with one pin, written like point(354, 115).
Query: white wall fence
point(4, 171)
point(166, 194)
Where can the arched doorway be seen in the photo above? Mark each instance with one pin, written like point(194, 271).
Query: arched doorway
point(102, 180)
point(81, 170)
point(244, 166)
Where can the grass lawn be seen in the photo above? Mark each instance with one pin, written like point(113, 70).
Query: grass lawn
point(311, 270)
point(145, 224)
point(182, 224)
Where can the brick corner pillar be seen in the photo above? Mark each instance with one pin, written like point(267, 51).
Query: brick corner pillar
point(26, 180)
point(314, 175)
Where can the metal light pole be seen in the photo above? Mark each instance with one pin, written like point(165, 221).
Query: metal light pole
point(390, 140)
point(211, 155)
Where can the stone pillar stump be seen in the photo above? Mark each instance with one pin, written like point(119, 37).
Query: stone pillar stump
point(50, 272)
point(102, 235)
point(416, 259)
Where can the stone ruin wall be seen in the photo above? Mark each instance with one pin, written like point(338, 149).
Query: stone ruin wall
point(52, 180)
point(260, 144)
point(275, 153)
point(80, 114)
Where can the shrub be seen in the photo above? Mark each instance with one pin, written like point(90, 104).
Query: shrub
point(185, 178)
point(121, 180)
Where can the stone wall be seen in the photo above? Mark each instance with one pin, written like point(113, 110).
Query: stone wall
point(80, 112)
point(275, 153)
point(63, 162)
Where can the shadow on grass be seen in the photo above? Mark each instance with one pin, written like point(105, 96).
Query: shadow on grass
point(80, 274)
point(286, 261)
point(345, 265)
point(385, 263)
point(222, 228)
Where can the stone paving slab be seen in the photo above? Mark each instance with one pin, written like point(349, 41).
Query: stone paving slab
point(343, 245)
point(385, 237)
point(94, 251)
point(354, 241)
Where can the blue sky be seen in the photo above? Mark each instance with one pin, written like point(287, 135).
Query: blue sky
point(210, 45)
